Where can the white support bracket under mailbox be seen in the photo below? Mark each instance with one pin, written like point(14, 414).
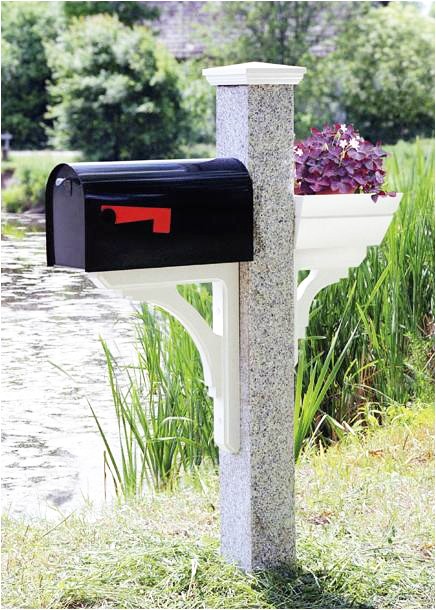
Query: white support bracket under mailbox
point(218, 346)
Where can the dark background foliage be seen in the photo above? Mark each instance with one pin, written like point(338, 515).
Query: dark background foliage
point(115, 91)
point(128, 13)
point(25, 72)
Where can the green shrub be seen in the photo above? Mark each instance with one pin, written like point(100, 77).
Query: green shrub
point(30, 171)
point(387, 86)
point(377, 71)
point(33, 181)
point(127, 12)
point(316, 100)
point(199, 103)
point(380, 77)
point(25, 27)
point(27, 191)
point(14, 198)
point(116, 92)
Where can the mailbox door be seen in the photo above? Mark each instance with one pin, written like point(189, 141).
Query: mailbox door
point(65, 210)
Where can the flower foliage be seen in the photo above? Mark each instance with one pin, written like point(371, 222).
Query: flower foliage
point(338, 160)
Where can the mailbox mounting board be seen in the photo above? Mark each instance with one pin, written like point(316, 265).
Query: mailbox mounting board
point(147, 214)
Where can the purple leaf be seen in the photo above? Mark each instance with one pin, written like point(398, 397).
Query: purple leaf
point(325, 166)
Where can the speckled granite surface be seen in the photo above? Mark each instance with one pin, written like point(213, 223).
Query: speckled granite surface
point(255, 124)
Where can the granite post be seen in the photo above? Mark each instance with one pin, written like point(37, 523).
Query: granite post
point(255, 125)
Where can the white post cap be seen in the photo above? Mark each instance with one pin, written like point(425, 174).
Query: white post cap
point(255, 73)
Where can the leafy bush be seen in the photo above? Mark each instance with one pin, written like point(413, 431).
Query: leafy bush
point(27, 191)
point(30, 171)
point(116, 92)
point(387, 80)
point(25, 27)
point(199, 103)
point(14, 198)
point(380, 77)
point(367, 64)
point(127, 12)
point(316, 99)
point(34, 181)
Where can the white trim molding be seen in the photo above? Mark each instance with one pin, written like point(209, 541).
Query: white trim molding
point(254, 73)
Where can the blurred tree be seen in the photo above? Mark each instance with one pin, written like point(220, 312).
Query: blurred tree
point(294, 33)
point(383, 70)
point(115, 92)
point(127, 12)
point(25, 27)
point(369, 63)
point(276, 32)
point(199, 102)
point(316, 97)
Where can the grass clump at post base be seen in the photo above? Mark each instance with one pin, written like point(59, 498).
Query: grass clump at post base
point(364, 523)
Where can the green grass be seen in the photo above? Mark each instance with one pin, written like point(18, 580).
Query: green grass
point(30, 171)
point(43, 160)
point(165, 417)
point(11, 231)
point(364, 524)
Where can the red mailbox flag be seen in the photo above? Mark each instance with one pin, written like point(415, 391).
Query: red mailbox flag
point(161, 217)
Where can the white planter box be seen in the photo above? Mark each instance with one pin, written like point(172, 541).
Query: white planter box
point(342, 223)
point(332, 234)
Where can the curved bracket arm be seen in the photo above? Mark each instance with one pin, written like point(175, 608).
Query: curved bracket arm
point(306, 292)
point(218, 346)
point(206, 341)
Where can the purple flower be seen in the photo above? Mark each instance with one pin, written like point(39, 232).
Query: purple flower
point(338, 160)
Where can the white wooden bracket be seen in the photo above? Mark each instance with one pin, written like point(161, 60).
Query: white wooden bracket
point(306, 292)
point(332, 235)
point(326, 267)
point(218, 346)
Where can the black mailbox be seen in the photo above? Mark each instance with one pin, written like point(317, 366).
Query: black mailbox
point(138, 214)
